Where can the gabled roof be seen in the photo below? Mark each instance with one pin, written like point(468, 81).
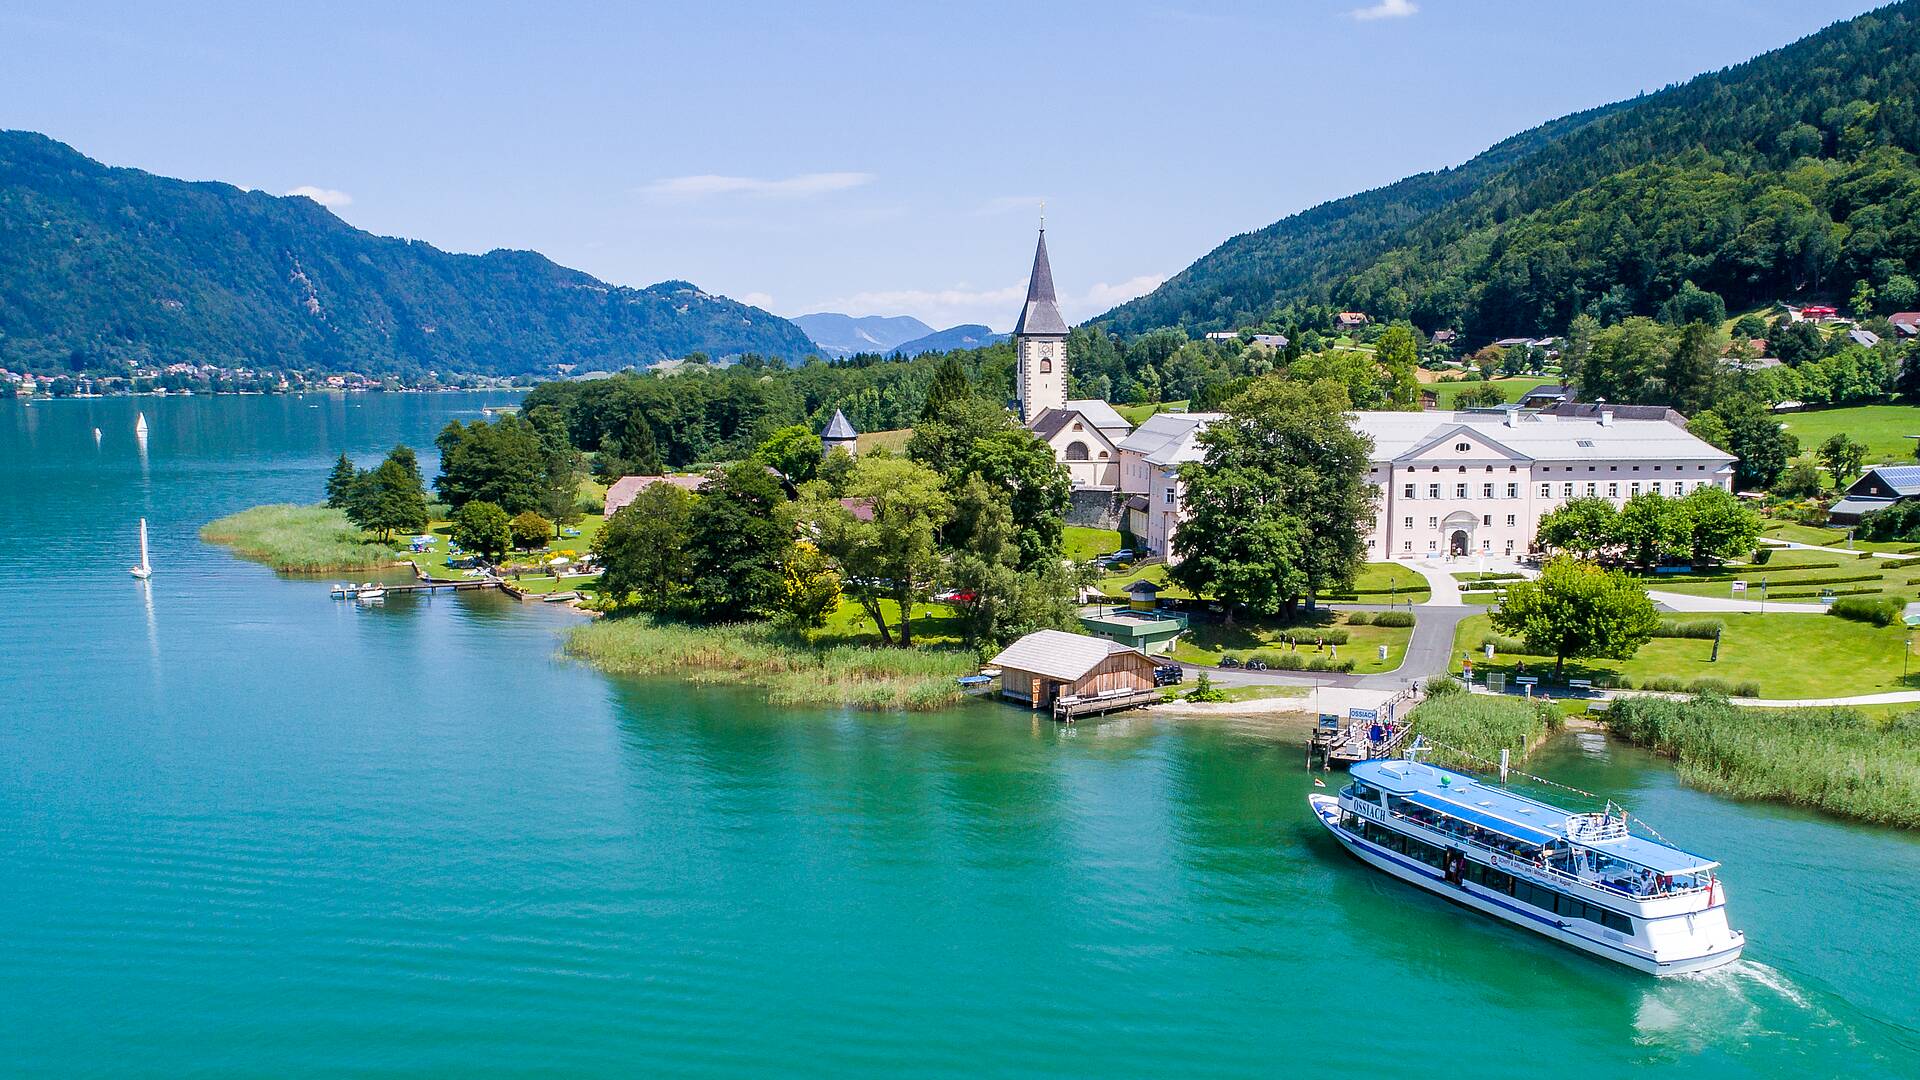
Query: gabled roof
point(1156, 432)
point(1899, 479)
point(1442, 435)
point(1057, 654)
point(1041, 315)
point(838, 428)
point(1051, 422)
point(1099, 414)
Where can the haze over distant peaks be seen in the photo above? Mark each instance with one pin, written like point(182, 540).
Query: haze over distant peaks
point(965, 336)
point(844, 335)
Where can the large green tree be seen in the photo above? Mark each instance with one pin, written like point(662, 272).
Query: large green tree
point(792, 451)
point(1718, 525)
point(646, 549)
point(1587, 528)
point(340, 482)
point(1652, 528)
point(1576, 610)
point(883, 535)
point(740, 528)
point(1841, 456)
point(1755, 437)
point(972, 437)
point(388, 498)
point(484, 528)
point(503, 462)
point(1279, 507)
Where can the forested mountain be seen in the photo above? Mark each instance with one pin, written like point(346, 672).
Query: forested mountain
point(101, 266)
point(964, 336)
point(1791, 175)
point(844, 335)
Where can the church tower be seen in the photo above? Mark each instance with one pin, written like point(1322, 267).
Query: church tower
point(1040, 343)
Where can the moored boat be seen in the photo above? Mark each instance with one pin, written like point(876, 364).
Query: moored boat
point(1582, 879)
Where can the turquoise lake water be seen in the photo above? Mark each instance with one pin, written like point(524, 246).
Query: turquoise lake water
point(247, 830)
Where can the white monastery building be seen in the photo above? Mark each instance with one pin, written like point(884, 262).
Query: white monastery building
point(1450, 483)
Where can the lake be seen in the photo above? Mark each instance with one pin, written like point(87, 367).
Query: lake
point(246, 829)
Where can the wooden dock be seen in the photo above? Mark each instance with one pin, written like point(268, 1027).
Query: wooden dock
point(1343, 744)
point(352, 592)
point(1067, 710)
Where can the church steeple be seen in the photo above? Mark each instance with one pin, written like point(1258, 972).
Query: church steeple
point(1040, 342)
point(1042, 313)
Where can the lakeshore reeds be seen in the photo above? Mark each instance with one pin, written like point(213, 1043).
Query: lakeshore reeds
point(299, 539)
point(1838, 760)
point(1470, 730)
point(791, 670)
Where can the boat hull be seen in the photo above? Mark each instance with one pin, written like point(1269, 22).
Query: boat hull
point(1327, 809)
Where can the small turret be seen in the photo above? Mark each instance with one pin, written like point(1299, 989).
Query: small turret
point(839, 435)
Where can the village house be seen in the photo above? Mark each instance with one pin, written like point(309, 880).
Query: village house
point(1905, 323)
point(1880, 488)
point(622, 492)
point(1350, 320)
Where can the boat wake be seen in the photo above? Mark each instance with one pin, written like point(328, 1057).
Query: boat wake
point(1686, 1014)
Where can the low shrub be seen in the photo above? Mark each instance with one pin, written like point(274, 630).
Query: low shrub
point(1703, 629)
point(1872, 612)
point(1204, 690)
point(1808, 594)
point(1722, 687)
point(1610, 680)
point(1290, 661)
point(1335, 635)
point(1671, 684)
point(1901, 564)
point(1503, 644)
point(1393, 618)
point(1442, 685)
point(1360, 618)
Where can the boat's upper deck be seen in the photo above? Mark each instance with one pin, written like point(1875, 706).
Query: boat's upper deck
point(1517, 817)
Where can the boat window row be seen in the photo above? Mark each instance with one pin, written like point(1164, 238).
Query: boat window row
point(1487, 877)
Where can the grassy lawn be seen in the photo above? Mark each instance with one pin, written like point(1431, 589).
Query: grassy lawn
point(1136, 413)
point(893, 442)
point(1884, 428)
point(933, 624)
point(1207, 642)
point(1083, 543)
point(1512, 389)
point(1807, 534)
point(1376, 583)
point(1787, 655)
point(1799, 576)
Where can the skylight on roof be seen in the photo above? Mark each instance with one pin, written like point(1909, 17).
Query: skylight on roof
point(1584, 442)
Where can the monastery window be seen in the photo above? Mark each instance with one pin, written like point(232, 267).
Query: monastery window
point(1633, 489)
point(1459, 491)
point(1509, 524)
point(1486, 491)
point(1409, 523)
point(1656, 468)
point(1486, 519)
point(1077, 427)
point(1591, 490)
point(1409, 489)
point(1046, 364)
point(1433, 491)
point(1489, 468)
point(1433, 523)
point(1406, 545)
point(1567, 491)
point(1076, 451)
point(1546, 491)
point(1461, 447)
point(1613, 491)
point(1103, 455)
point(1513, 491)
point(1656, 487)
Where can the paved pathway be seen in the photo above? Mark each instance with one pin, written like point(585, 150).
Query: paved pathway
point(1674, 601)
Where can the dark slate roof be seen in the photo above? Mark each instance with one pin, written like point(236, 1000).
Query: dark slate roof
point(838, 428)
point(1591, 410)
point(1042, 313)
point(1903, 480)
point(1049, 422)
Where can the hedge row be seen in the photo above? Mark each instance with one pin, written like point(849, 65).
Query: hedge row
point(1703, 629)
point(1380, 618)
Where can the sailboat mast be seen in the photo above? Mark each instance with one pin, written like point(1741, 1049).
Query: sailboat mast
point(144, 565)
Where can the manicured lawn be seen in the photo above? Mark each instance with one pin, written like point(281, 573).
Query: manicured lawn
point(1511, 389)
point(1799, 576)
point(1787, 655)
point(1207, 642)
point(933, 624)
point(1884, 428)
point(1376, 584)
point(1807, 534)
point(1136, 413)
point(1083, 543)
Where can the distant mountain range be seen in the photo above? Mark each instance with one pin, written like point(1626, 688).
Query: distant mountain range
point(102, 266)
point(888, 335)
point(1793, 174)
point(844, 335)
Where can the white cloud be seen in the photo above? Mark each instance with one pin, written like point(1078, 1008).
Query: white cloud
point(1386, 9)
point(761, 300)
point(1104, 296)
point(801, 186)
point(327, 197)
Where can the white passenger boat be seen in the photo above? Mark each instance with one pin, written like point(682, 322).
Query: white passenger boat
point(1582, 879)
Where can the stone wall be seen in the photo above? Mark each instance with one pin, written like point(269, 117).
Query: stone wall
point(1095, 509)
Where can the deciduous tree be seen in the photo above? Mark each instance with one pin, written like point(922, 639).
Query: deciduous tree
point(882, 537)
point(484, 528)
point(1576, 610)
point(645, 549)
point(1586, 528)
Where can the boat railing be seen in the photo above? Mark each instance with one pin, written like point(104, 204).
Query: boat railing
point(1507, 860)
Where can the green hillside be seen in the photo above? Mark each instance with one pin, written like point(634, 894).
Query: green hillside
point(1790, 175)
point(101, 266)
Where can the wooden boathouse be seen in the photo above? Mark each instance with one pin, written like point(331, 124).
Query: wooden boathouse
point(1075, 674)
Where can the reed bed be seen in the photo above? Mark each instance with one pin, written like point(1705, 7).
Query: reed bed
point(1470, 730)
point(304, 539)
point(1837, 760)
point(791, 670)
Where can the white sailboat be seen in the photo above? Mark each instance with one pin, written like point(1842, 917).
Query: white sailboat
point(96, 436)
point(140, 426)
point(145, 569)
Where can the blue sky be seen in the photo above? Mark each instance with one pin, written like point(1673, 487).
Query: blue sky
point(869, 158)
